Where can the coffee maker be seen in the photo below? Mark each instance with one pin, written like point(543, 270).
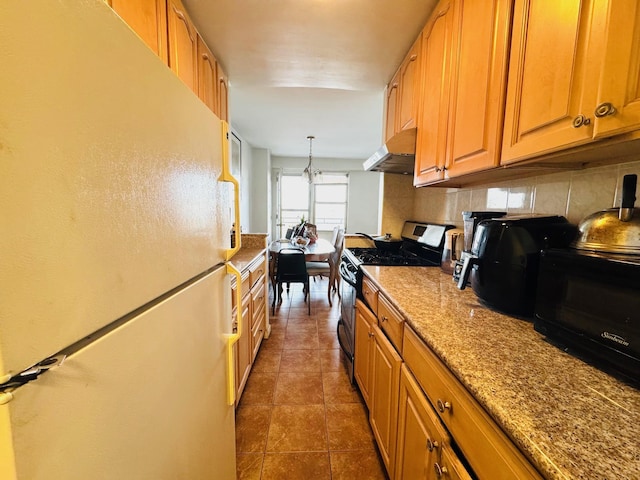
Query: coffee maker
point(470, 221)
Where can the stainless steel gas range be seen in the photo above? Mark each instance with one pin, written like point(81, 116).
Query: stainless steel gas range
point(421, 246)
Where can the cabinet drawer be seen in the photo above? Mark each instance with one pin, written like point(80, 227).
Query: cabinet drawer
point(257, 270)
point(390, 321)
point(257, 332)
point(370, 294)
point(245, 287)
point(487, 449)
point(257, 298)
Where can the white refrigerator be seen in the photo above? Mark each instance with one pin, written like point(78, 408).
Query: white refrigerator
point(116, 209)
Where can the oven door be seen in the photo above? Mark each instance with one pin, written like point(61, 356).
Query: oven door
point(346, 324)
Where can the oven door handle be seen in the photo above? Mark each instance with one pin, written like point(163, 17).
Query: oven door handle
point(346, 275)
point(346, 351)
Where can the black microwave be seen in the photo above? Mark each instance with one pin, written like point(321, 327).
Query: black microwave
point(590, 302)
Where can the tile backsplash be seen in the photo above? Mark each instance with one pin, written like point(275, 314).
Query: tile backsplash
point(573, 194)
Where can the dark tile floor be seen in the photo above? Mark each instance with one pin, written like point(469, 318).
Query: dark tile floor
point(299, 416)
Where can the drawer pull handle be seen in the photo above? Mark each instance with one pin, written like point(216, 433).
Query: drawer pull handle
point(384, 319)
point(581, 120)
point(442, 406)
point(605, 109)
point(440, 470)
point(431, 445)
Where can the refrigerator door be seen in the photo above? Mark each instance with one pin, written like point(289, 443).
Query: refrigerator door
point(109, 189)
point(146, 401)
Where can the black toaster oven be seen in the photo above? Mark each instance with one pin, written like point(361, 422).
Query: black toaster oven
point(590, 302)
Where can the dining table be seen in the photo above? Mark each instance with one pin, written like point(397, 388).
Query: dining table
point(318, 251)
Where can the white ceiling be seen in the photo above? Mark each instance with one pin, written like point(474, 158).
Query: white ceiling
point(309, 67)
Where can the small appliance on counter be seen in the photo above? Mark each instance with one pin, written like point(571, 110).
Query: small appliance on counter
point(505, 256)
point(589, 294)
point(452, 252)
point(470, 221)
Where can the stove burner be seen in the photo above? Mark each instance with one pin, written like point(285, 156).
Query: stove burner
point(373, 256)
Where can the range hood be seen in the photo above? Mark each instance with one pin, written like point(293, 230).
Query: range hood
point(395, 156)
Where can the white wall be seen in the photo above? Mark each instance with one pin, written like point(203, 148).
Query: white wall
point(364, 188)
point(260, 210)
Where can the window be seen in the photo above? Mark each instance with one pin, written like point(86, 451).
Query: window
point(323, 203)
point(330, 201)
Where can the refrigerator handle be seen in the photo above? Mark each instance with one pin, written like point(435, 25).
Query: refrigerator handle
point(228, 177)
point(232, 338)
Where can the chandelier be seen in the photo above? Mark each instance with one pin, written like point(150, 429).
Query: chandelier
point(310, 174)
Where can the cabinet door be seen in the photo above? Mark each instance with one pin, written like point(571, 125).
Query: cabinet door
point(242, 350)
point(223, 95)
point(182, 44)
point(420, 433)
point(620, 80)
point(391, 104)
point(363, 350)
point(478, 86)
point(450, 467)
point(385, 383)
point(433, 108)
point(409, 87)
point(553, 72)
point(148, 18)
point(207, 76)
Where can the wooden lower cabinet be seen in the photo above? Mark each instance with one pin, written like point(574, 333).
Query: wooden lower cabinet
point(364, 320)
point(385, 380)
point(254, 319)
point(425, 422)
point(423, 446)
point(242, 351)
point(258, 316)
point(488, 451)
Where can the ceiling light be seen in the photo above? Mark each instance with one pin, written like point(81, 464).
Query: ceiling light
point(310, 174)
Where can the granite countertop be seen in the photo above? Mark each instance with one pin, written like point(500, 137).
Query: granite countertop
point(570, 419)
point(252, 246)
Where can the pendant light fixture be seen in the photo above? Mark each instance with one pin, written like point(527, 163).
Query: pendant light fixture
point(310, 174)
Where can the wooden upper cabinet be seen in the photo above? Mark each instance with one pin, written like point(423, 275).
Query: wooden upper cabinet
point(556, 51)
point(223, 95)
point(478, 85)
point(148, 18)
point(409, 73)
point(207, 76)
point(391, 104)
point(182, 44)
point(434, 97)
point(620, 76)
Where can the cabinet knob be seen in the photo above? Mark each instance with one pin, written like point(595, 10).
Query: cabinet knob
point(440, 470)
point(384, 319)
point(581, 120)
point(438, 169)
point(605, 109)
point(432, 445)
point(371, 335)
point(442, 406)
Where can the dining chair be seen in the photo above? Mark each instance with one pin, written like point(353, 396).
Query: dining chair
point(291, 268)
point(330, 267)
